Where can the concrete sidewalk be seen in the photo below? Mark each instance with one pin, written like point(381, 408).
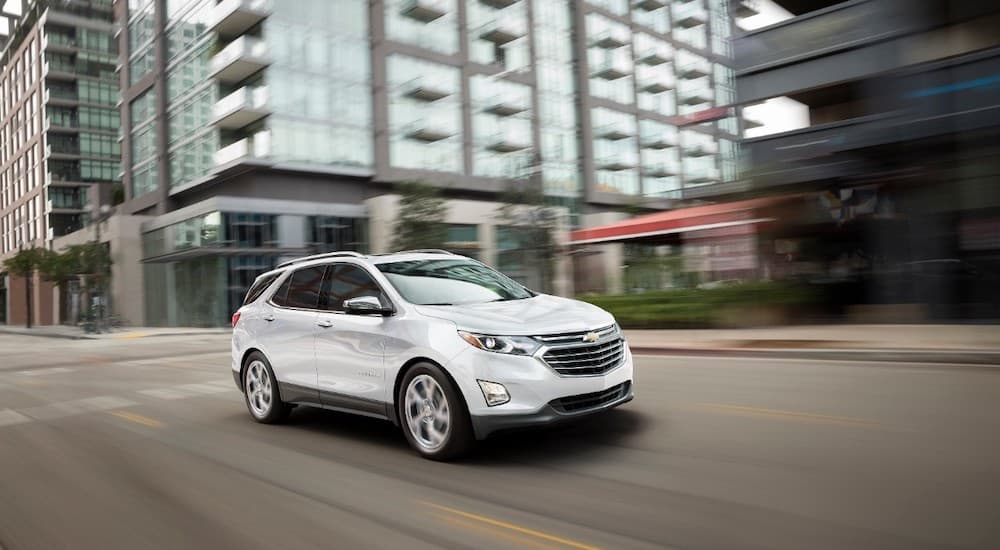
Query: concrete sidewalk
point(978, 344)
point(76, 333)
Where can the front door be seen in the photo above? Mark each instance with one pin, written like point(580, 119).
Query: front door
point(350, 349)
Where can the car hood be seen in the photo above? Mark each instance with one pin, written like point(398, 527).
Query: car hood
point(541, 314)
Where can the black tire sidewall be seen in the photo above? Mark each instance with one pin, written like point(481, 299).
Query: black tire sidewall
point(459, 437)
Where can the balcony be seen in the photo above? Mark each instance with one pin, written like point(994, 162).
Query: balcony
point(425, 89)
point(613, 131)
point(240, 108)
point(502, 30)
point(427, 131)
point(507, 105)
point(704, 176)
point(745, 8)
point(251, 149)
point(655, 55)
point(649, 5)
point(616, 163)
point(694, 70)
point(659, 141)
point(699, 96)
point(425, 11)
point(240, 59)
point(56, 42)
point(498, 4)
point(703, 149)
point(508, 140)
point(660, 170)
point(235, 17)
point(612, 68)
point(62, 71)
point(64, 207)
point(612, 37)
point(690, 14)
point(653, 80)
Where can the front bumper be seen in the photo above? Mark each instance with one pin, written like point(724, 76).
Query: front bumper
point(537, 392)
point(485, 425)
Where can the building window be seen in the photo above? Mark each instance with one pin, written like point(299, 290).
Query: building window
point(334, 233)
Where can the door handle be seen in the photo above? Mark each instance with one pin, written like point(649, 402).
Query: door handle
point(268, 317)
point(325, 324)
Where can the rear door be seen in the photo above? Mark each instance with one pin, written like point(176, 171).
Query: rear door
point(290, 333)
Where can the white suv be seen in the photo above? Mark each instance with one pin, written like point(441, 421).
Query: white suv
point(438, 343)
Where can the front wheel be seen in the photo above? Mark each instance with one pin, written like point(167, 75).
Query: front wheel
point(260, 391)
point(433, 415)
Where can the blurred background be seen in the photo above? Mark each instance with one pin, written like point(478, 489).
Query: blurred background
point(694, 163)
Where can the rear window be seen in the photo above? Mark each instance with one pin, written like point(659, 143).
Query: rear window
point(303, 288)
point(258, 287)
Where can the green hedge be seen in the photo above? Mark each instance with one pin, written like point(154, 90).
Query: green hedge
point(696, 308)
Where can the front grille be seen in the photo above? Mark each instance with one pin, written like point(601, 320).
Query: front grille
point(574, 337)
point(586, 401)
point(586, 359)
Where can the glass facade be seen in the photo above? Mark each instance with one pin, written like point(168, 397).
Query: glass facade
point(430, 24)
point(319, 82)
point(425, 115)
point(191, 92)
point(144, 137)
point(198, 270)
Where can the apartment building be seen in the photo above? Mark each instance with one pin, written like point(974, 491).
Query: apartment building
point(254, 130)
point(58, 129)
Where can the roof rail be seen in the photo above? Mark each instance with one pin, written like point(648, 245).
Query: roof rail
point(348, 254)
point(426, 251)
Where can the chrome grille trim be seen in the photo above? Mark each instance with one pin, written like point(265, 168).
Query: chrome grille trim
point(569, 355)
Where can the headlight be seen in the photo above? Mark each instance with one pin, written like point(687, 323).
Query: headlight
point(513, 345)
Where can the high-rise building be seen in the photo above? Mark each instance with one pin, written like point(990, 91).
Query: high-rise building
point(258, 129)
point(58, 126)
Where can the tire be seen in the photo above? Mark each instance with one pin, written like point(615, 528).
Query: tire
point(433, 414)
point(260, 391)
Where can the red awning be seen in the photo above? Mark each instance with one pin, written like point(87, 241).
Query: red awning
point(695, 218)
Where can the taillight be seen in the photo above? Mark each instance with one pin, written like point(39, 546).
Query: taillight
point(236, 318)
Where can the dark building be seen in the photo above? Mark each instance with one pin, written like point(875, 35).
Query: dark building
point(902, 150)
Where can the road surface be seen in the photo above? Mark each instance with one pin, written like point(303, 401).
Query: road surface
point(145, 443)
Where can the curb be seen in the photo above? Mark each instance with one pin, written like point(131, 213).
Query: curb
point(984, 357)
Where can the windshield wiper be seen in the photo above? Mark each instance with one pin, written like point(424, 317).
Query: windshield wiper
point(438, 304)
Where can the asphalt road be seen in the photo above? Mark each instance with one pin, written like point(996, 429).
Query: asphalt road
point(146, 443)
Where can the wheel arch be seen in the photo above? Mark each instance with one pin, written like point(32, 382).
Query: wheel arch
point(243, 364)
point(393, 413)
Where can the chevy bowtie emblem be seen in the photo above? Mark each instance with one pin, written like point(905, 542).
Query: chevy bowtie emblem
point(591, 337)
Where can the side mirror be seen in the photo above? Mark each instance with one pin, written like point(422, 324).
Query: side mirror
point(366, 305)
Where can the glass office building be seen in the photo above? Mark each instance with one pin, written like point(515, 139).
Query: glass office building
point(330, 102)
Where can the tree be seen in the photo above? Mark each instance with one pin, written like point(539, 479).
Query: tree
point(421, 219)
point(530, 223)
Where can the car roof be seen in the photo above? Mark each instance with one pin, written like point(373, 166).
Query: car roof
point(372, 259)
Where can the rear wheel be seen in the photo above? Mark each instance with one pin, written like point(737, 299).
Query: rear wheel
point(433, 415)
point(260, 391)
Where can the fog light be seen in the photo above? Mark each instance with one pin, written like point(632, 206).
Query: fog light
point(495, 394)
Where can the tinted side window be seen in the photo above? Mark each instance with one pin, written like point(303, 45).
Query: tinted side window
point(305, 286)
point(281, 295)
point(346, 281)
point(259, 287)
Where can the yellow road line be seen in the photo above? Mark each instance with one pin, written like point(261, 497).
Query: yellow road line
point(512, 527)
point(137, 418)
point(522, 541)
point(789, 415)
point(132, 335)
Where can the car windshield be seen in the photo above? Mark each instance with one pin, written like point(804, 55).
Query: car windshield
point(451, 282)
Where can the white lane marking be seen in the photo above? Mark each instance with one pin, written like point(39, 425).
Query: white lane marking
point(77, 407)
point(9, 417)
point(44, 372)
point(164, 393)
point(184, 391)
